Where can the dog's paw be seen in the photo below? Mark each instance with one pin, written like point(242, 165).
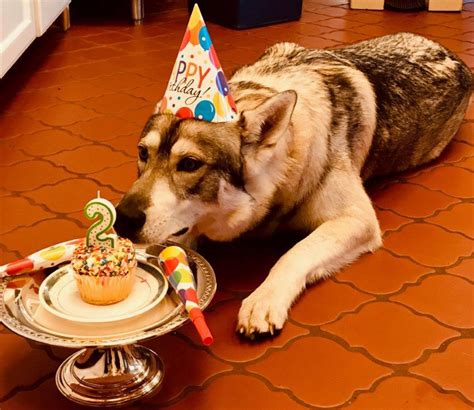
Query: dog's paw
point(264, 312)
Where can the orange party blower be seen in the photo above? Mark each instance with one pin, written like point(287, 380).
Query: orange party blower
point(174, 261)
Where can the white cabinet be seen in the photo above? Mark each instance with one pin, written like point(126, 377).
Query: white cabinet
point(17, 31)
point(46, 12)
point(21, 21)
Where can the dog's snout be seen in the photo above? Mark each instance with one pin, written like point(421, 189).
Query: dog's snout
point(130, 218)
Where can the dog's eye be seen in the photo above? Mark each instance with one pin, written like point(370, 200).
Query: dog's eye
point(142, 153)
point(189, 164)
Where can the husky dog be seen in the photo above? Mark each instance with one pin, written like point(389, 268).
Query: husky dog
point(313, 126)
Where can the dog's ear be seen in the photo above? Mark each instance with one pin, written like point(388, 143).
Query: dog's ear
point(157, 107)
point(265, 124)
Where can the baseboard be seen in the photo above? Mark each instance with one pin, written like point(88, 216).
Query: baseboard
point(367, 4)
point(444, 5)
point(433, 5)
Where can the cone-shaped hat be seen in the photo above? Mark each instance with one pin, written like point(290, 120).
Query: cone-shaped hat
point(197, 87)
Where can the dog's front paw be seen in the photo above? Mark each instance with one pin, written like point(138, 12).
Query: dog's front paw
point(264, 312)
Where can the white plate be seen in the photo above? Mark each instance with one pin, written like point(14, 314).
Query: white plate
point(58, 294)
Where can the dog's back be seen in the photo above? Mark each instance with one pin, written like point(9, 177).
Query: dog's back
point(397, 99)
point(422, 92)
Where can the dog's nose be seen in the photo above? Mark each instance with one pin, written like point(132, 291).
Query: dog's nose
point(129, 220)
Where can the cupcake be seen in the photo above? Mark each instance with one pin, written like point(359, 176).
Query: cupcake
point(104, 275)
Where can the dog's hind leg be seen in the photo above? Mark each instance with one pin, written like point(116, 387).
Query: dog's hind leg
point(350, 229)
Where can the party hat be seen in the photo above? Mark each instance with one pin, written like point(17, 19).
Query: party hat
point(197, 87)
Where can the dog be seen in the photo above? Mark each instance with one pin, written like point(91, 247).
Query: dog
point(314, 125)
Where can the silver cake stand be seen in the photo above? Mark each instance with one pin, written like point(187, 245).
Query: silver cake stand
point(110, 370)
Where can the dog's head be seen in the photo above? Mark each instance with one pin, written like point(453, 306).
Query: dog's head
point(200, 178)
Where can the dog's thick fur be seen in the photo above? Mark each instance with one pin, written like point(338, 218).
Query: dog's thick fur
point(313, 126)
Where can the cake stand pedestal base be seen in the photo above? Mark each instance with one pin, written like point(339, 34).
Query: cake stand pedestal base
point(110, 376)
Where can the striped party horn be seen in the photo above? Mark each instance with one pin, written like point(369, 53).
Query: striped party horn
point(174, 261)
point(45, 258)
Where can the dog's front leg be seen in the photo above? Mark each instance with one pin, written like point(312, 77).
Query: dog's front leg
point(333, 244)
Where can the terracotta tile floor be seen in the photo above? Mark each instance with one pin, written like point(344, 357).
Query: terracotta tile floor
point(393, 331)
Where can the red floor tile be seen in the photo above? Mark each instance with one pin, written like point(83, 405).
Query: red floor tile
point(127, 144)
point(438, 31)
point(42, 234)
point(121, 81)
point(451, 369)
point(442, 249)
point(73, 42)
point(460, 218)
point(16, 356)
point(10, 156)
point(140, 116)
point(407, 393)
point(121, 177)
point(44, 79)
point(467, 163)
point(63, 114)
point(326, 302)
point(34, 399)
point(149, 92)
point(456, 152)
point(71, 112)
point(381, 273)
point(465, 269)
point(18, 124)
point(226, 393)
point(229, 346)
point(108, 38)
point(78, 91)
point(412, 200)
point(62, 60)
point(29, 175)
point(14, 209)
point(31, 100)
point(47, 142)
point(323, 383)
point(334, 12)
point(185, 366)
point(69, 196)
point(447, 298)
point(100, 158)
point(114, 103)
point(340, 24)
point(104, 128)
point(390, 221)
point(97, 53)
point(345, 36)
point(8, 256)
point(468, 58)
point(385, 341)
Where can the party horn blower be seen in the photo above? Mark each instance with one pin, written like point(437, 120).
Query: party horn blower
point(174, 261)
point(45, 258)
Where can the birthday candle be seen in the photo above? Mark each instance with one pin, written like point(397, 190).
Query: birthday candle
point(175, 263)
point(102, 210)
point(97, 208)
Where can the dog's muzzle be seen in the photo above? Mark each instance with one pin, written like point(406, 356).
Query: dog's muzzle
point(130, 219)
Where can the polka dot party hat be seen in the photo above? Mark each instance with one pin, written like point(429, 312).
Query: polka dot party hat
point(197, 87)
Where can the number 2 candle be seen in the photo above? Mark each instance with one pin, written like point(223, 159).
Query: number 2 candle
point(103, 212)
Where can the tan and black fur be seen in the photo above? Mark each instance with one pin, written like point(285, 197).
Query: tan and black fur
point(313, 126)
